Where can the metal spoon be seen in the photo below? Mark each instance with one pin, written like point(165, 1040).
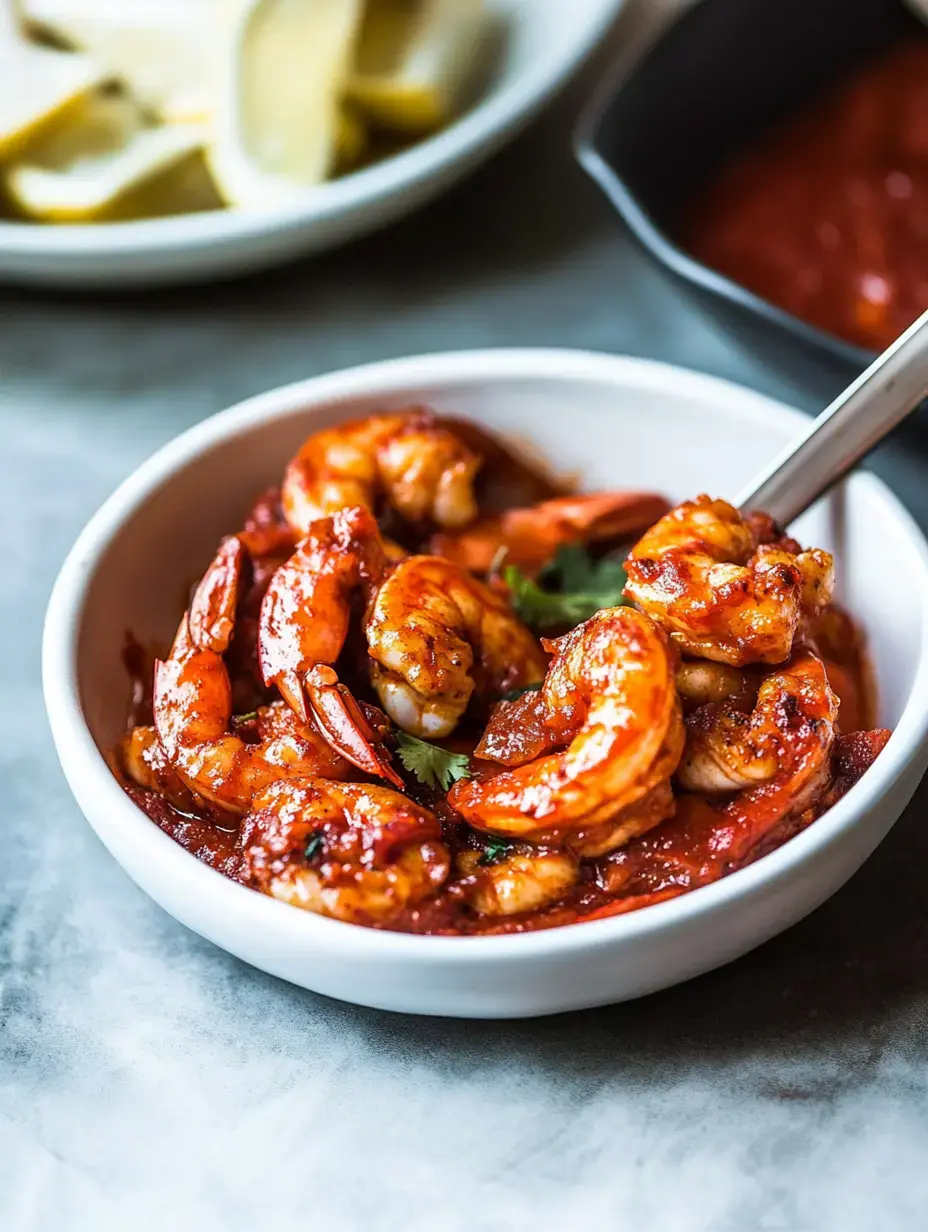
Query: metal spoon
point(846, 431)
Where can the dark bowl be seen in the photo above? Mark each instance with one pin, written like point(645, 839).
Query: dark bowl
point(720, 77)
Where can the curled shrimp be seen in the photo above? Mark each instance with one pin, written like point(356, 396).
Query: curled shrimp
point(610, 708)
point(729, 748)
point(436, 634)
point(302, 628)
point(520, 881)
point(701, 573)
point(529, 537)
point(192, 704)
point(420, 466)
point(704, 841)
point(357, 852)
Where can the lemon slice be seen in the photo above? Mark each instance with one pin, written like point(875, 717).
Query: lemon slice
point(37, 85)
point(161, 49)
point(352, 139)
point(279, 110)
point(82, 169)
point(415, 59)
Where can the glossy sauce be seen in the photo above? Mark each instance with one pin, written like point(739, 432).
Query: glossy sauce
point(827, 216)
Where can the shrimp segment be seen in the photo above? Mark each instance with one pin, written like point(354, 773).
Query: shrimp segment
point(728, 749)
point(145, 762)
point(303, 625)
point(529, 537)
point(519, 882)
point(435, 635)
point(702, 842)
point(422, 468)
point(722, 595)
point(359, 853)
point(609, 697)
point(192, 705)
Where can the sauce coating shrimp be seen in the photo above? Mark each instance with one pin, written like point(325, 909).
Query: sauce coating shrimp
point(729, 748)
point(359, 853)
point(609, 697)
point(703, 841)
point(303, 624)
point(518, 882)
point(420, 466)
point(192, 705)
point(142, 758)
point(701, 573)
point(529, 537)
point(435, 634)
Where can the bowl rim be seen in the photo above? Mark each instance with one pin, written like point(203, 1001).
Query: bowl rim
point(658, 242)
point(495, 116)
point(91, 778)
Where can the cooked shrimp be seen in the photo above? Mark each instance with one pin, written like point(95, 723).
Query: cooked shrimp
point(721, 595)
point(435, 635)
point(147, 765)
point(356, 852)
point(703, 842)
point(420, 466)
point(192, 705)
point(728, 749)
point(700, 681)
point(529, 537)
point(303, 625)
point(609, 697)
point(521, 881)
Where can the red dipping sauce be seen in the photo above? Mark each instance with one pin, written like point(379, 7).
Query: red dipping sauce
point(827, 216)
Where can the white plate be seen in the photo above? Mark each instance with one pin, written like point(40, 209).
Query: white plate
point(545, 42)
point(617, 422)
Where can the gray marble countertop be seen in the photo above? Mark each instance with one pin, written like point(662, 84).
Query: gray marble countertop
point(149, 1081)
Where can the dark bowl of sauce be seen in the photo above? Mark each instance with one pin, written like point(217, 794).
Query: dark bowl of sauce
point(773, 156)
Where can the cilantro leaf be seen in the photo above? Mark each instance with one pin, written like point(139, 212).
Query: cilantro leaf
point(494, 850)
point(314, 845)
point(245, 718)
point(574, 571)
point(583, 587)
point(432, 766)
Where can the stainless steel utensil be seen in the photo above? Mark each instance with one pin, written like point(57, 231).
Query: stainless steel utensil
point(846, 431)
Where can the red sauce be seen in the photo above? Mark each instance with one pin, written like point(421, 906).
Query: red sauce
point(827, 216)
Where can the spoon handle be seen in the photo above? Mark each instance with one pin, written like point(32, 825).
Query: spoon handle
point(846, 431)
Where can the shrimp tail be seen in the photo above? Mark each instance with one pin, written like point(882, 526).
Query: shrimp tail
point(342, 723)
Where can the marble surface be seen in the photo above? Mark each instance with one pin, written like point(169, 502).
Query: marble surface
point(149, 1081)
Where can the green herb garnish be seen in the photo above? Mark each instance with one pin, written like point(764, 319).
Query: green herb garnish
point(314, 845)
point(494, 850)
point(583, 587)
point(432, 766)
point(245, 718)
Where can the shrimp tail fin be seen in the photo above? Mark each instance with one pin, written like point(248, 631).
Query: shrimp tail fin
point(291, 689)
point(344, 726)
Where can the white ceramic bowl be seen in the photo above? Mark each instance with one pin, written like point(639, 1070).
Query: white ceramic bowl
point(542, 47)
point(615, 421)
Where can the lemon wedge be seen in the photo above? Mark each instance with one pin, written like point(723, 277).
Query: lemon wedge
point(414, 60)
point(352, 139)
point(37, 85)
point(81, 170)
point(160, 49)
point(279, 119)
